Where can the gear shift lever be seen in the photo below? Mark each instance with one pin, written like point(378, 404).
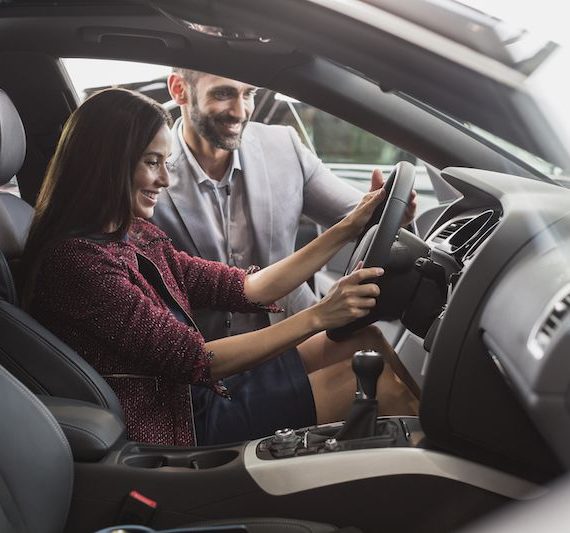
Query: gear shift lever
point(367, 365)
point(361, 421)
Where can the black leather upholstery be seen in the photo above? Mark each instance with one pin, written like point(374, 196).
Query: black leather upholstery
point(15, 214)
point(46, 365)
point(15, 219)
point(30, 352)
point(7, 286)
point(36, 469)
point(92, 431)
point(12, 139)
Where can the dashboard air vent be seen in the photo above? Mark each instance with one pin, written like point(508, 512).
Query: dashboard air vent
point(463, 236)
point(450, 229)
point(556, 311)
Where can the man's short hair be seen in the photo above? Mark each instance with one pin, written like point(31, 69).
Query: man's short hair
point(191, 76)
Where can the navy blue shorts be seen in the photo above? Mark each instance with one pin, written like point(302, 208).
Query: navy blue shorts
point(274, 395)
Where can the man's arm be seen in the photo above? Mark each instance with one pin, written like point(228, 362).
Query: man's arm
point(280, 278)
point(327, 198)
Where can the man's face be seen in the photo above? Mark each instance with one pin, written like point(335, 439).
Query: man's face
point(220, 110)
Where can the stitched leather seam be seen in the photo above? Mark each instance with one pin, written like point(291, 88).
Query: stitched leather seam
point(96, 437)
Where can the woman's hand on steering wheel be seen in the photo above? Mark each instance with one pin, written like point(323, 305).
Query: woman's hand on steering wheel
point(357, 219)
point(375, 242)
point(377, 182)
point(348, 299)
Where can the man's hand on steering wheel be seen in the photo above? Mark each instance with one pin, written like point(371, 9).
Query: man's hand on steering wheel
point(377, 181)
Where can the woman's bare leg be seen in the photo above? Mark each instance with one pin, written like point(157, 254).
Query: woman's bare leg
point(329, 365)
point(333, 391)
point(319, 352)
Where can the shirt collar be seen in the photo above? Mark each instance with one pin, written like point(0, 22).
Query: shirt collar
point(200, 175)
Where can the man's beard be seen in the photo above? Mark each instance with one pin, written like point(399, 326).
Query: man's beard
point(210, 126)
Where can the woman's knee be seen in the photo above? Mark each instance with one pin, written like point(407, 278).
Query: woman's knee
point(333, 391)
point(371, 338)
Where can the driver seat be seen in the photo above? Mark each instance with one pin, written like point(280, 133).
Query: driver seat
point(36, 463)
point(29, 351)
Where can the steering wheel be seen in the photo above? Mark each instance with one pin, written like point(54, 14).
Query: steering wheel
point(375, 242)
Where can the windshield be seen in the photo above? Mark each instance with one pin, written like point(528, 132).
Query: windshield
point(547, 66)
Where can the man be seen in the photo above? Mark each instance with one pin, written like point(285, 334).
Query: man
point(237, 192)
point(270, 176)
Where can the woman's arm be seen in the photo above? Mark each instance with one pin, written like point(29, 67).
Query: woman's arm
point(100, 301)
point(347, 300)
point(279, 279)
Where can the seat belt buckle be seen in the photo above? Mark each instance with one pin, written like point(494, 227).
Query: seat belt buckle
point(136, 509)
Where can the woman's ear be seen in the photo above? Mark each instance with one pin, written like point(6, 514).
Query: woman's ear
point(178, 88)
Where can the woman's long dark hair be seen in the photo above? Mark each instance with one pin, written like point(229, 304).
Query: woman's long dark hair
point(87, 187)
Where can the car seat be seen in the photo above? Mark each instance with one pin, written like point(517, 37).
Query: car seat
point(36, 475)
point(36, 463)
point(29, 351)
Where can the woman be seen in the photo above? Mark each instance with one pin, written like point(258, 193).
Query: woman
point(111, 285)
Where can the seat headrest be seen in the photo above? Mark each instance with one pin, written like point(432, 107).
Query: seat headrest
point(12, 140)
point(15, 221)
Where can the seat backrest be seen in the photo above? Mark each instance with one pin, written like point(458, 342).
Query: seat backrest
point(36, 466)
point(16, 215)
point(29, 351)
point(46, 365)
point(15, 219)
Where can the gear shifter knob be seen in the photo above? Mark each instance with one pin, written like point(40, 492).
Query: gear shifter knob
point(367, 366)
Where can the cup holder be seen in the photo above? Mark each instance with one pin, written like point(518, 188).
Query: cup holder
point(145, 461)
point(194, 461)
point(212, 459)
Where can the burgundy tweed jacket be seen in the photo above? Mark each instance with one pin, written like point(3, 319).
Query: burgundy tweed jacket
point(92, 296)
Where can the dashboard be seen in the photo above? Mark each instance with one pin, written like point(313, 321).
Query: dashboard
point(493, 412)
point(495, 376)
point(496, 386)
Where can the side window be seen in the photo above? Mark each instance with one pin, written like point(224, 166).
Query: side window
point(90, 75)
point(349, 151)
point(334, 140)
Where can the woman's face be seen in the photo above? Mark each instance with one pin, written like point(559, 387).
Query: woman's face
point(151, 174)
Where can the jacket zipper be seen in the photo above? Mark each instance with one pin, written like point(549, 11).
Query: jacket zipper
point(190, 320)
point(165, 287)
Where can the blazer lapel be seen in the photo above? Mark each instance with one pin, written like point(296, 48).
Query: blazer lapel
point(258, 192)
point(187, 199)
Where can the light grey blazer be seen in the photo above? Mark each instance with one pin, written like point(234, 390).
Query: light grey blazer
point(283, 180)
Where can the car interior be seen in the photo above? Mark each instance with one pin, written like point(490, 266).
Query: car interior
point(478, 297)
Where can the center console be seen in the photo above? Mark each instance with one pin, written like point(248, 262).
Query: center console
point(388, 432)
point(362, 429)
point(372, 465)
